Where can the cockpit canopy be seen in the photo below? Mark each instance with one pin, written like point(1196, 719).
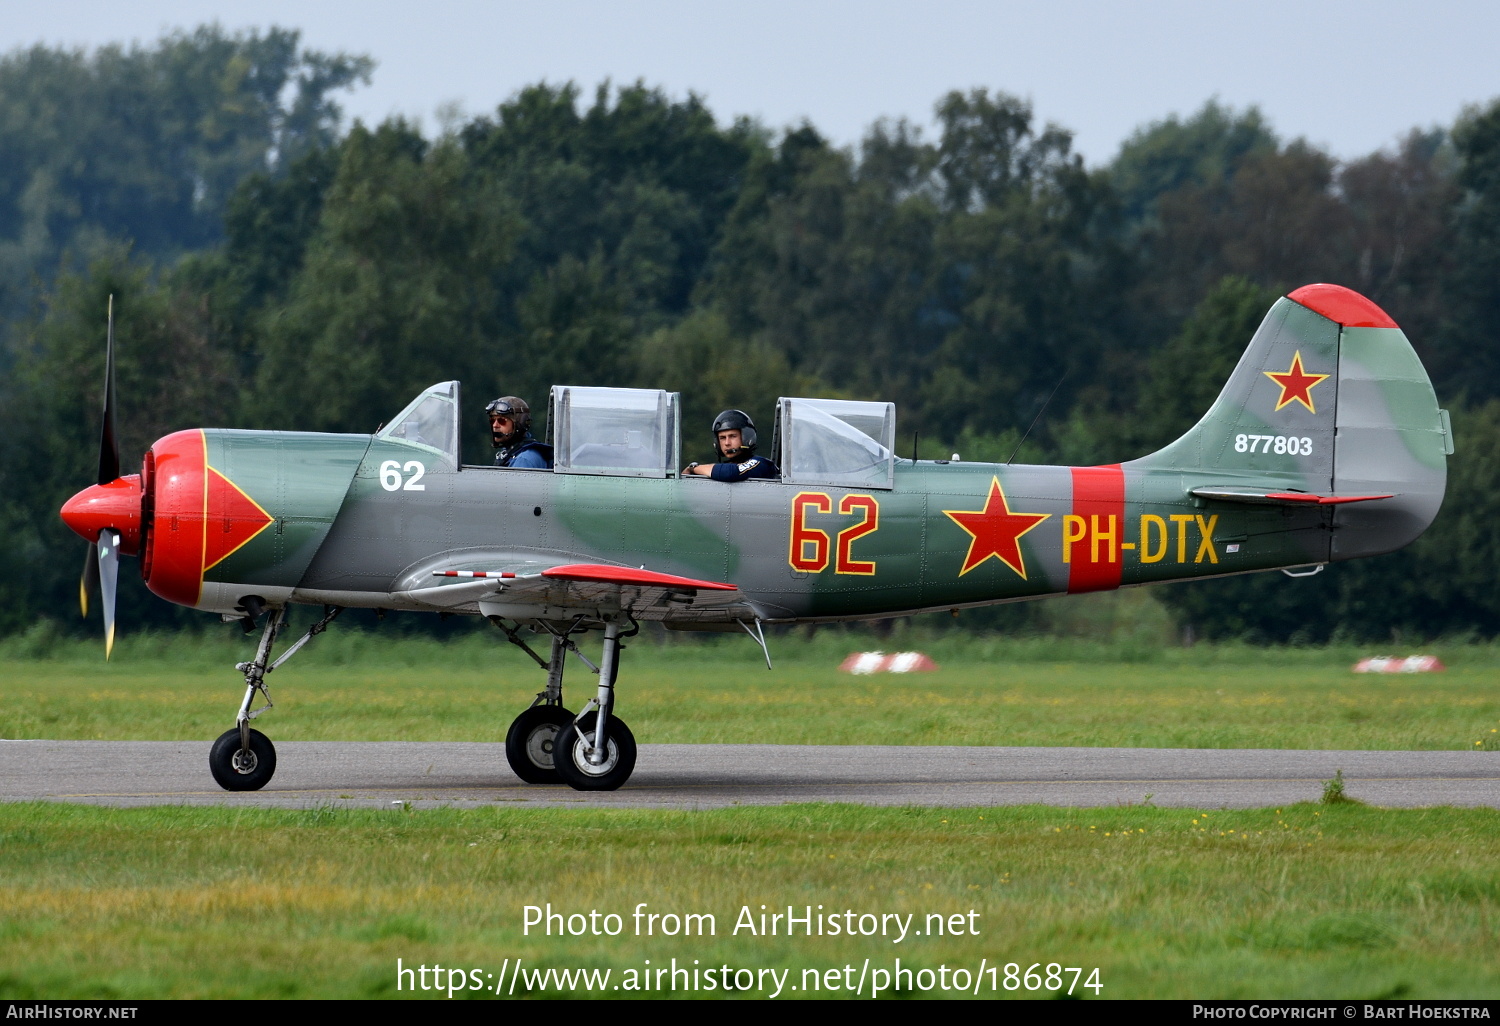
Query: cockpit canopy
point(836, 442)
point(619, 432)
point(635, 432)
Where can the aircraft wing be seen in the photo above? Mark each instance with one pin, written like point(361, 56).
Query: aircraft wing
point(522, 590)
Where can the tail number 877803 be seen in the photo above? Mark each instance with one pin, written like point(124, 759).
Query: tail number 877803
point(1281, 445)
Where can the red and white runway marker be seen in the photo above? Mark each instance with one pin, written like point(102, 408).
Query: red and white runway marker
point(1392, 664)
point(880, 662)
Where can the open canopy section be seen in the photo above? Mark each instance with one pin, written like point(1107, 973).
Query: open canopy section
point(837, 442)
point(621, 432)
point(430, 421)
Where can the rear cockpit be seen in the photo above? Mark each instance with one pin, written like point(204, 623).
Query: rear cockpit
point(836, 442)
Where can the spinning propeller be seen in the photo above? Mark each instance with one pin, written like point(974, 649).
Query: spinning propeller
point(108, 514)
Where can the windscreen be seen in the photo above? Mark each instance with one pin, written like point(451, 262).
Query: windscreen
point(430, 421)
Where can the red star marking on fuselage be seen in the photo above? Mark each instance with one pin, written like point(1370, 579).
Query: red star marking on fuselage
point(995, 531)
point(1296, 384)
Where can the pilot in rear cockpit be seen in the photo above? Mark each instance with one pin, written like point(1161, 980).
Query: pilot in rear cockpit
point(734, 442)
point(510, 434)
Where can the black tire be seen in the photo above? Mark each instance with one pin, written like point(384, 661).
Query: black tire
point(572, 764)
point(530, 741)
point(231, 771)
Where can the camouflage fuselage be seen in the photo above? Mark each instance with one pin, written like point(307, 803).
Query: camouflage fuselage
point(1314, 409)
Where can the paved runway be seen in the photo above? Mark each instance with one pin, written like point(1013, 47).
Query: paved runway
point(375, 774)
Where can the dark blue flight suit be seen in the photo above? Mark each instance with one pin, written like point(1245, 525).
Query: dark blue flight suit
point(753, 466)
point(527, 454)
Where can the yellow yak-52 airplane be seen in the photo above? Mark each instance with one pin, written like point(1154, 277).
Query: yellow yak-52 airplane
point(1326, 444)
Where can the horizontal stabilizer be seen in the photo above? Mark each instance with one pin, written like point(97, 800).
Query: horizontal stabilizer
point(1280, 498)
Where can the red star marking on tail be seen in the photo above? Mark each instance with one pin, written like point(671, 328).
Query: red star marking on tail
point(1296, 384)
point(995, 531)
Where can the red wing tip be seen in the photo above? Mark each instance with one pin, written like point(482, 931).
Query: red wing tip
point(628, 575)
point(1344, 306)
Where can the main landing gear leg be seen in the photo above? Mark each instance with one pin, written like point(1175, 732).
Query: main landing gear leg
point(243, 759)
point(529, 742)
point(596, 752)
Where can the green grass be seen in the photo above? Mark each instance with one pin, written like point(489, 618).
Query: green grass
point(354, 685)
point(1329, 900)
point(1306, 901)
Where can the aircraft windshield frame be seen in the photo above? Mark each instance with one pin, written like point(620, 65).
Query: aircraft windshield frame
point(426, 421)
point(836, 442)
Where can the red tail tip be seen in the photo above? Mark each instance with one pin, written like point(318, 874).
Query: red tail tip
point(1342, 305)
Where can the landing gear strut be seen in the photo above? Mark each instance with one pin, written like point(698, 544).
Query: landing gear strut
point(243, 759)
point(596, 751)
point(547, 744)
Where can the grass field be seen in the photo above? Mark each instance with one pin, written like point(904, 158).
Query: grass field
point(1305, 901)
point(360, 686)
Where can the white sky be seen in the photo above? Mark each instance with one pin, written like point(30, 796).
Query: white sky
point(1349, 76)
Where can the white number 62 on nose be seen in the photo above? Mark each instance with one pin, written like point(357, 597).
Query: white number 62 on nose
point(391, 480)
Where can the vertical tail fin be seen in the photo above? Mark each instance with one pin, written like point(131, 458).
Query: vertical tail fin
point(1329, 402)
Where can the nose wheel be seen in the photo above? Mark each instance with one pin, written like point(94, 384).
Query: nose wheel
point(243, 759)
point(237, 768)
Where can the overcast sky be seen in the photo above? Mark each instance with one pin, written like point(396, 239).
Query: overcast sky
point(1349, 76)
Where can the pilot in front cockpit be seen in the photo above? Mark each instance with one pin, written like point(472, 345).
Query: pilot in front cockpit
point(734, 442)
point(510, 434)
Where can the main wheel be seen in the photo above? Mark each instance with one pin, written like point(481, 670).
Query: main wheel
point(572, 760)
point(529, 743)
point(238, 770)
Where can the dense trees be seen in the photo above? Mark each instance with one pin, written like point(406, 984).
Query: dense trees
point(948, 275)
point(270, 271)
point(148, 144)
point(1469, 359)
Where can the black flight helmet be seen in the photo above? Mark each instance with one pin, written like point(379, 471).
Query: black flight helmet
point(516, 409)
point(735, 420)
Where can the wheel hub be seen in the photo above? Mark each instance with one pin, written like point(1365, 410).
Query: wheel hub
point(583, 749)
point(244, 762)
point(540, 743)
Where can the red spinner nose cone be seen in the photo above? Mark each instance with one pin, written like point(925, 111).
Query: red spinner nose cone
point(116, 505)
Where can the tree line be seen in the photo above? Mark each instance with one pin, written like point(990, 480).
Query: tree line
point(274, 270)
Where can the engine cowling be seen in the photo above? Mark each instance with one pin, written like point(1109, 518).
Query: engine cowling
point(179, 515)
point(177, 496)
